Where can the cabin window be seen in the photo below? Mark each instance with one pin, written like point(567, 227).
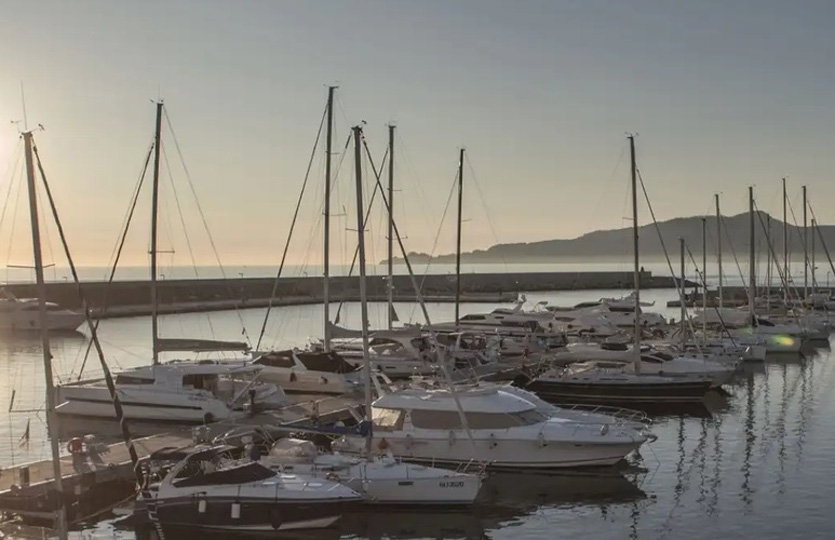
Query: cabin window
point(451, 419)
point(276, 361)
point(473, 318)
point(127, 379)
point(201, 382)
point(652, 360)
point(387, 419)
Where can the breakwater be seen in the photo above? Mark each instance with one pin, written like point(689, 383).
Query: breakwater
point(128, 298)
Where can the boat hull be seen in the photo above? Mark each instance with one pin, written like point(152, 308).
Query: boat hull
point(255, 515)
point(505, 454)
point(632, 393)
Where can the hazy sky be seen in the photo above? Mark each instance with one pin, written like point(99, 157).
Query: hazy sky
point(723, 95)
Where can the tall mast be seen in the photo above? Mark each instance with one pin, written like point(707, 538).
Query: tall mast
point(805, 250)
point(785, 250)
point(391, 229)
point(60, 518)
point(704, 280)
point(326, 292)
point(814, 268)
point(681, 297)
point(154, 234)
point(363, 298)
point(752, 283)
point(769, 262)
point(636, 275)
point(458, 236)
point(719, 251)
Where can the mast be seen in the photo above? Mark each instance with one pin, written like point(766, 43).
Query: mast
point(704, 280)
point(768, 259)
point(752, 284)
point(363, 298)
point(785, 249)
point(814, 268)
point(805, 250)
point(326, 293)
point(391, 229)
point(682, 297)
point(458, 237)
point(636, 275)
point(154, 234)
point(60, 518)
point(719, 251)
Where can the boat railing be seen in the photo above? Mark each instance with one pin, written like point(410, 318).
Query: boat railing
point(620, 414)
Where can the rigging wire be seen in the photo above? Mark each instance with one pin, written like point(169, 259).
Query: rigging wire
point(437, 238)
point(365, 220)
point(205, 223)
point(185, 229)
point(484, 205)
point(679, 282)
point(118, 248)
point(292, 229)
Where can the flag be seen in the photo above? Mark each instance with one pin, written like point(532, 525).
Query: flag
point(393, 314)
point(24, 439)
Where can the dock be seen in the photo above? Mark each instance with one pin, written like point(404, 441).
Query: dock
point(94, 481)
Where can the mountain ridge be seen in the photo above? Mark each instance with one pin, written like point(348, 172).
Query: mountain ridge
point(615, 244)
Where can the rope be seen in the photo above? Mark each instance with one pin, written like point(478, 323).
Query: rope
point(185, 230)
point(484, 205)
point(205, 223)
point(292, 228)
point(119, 247)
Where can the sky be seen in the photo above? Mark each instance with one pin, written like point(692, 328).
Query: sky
point(722, 95)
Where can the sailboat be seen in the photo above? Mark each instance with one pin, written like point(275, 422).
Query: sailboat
point(180, 391)
point(381, 478)
point(593, 382)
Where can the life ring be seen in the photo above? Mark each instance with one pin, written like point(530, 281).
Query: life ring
point(332, 476)
point(383, 444)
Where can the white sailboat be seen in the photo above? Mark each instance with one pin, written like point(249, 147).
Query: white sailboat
point(181, 390)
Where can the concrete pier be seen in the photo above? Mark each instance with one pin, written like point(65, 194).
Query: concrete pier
point(131, 298)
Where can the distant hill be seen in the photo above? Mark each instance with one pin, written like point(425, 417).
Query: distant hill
point(616, 244)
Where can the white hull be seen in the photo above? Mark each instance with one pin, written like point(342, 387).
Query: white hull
point(388, 482)
point(501, 453)
point(140, 404)
point(28, 321)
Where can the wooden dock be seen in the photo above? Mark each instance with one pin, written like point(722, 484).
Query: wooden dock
point(97, 479)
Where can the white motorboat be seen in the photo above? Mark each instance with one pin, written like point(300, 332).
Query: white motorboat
point(653, 361)
point(205, 491)
point(503, 429)
point(308, 372)
point(381, 479)
point(178, 392)
point(398, 353)
point(618, 311)
point(22, 314)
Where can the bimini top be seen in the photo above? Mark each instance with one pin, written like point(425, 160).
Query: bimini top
point(479, 400)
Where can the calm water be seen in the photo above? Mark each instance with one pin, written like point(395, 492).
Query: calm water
point(757, 465)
